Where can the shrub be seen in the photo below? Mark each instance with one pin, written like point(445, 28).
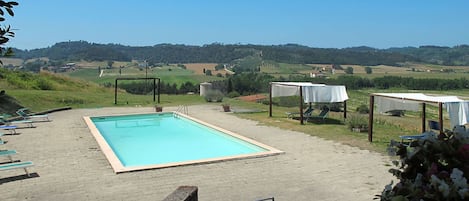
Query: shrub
point(289, 101)
point(368, 70)
point(214, 96)
point(233, 94)
point(357, 121)
point(44, 84)
point(334, 107)
point(430, 168)
point(396, 113)
point(349, 70)
point(363, 109)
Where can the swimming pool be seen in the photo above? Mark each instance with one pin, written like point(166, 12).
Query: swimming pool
point(158, 140)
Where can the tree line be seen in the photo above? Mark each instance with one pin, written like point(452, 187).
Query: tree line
point(227, 53)
point(252, 83)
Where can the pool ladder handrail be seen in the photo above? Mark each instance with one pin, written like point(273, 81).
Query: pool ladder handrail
point(183, 109)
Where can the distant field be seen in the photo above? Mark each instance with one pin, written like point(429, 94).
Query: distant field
point(167, 74)
point(198, 68)
point(12, 61)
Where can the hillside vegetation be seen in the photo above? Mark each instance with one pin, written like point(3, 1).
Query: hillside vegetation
point(221, 53)
point(213, 53)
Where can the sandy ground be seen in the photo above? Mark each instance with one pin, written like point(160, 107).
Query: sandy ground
point(70, 166)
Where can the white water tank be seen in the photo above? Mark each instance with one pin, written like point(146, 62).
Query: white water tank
point(205, 87)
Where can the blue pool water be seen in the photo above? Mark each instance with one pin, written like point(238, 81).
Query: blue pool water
point(149, 139)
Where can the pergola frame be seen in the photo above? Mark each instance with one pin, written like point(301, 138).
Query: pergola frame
point(301, 102)
point(424, 102)
point(143, 78)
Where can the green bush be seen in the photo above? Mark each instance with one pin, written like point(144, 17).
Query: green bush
point(363, 109)
point(233, 94)
point(44, 84)
point(214, 96)
point(357, 121)
point(334, 107)
point(289, 101)
point(430, 168)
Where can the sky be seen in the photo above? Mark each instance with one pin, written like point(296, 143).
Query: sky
point(315, 23)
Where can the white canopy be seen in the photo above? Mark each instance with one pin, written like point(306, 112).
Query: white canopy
point(419, 97)
point(318, 93)
point(458, 109)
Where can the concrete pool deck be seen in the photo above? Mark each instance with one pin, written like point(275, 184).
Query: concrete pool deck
point(70, 166)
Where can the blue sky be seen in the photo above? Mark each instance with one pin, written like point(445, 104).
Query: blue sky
point(314, 23)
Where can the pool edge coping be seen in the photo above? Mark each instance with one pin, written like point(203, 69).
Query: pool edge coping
point(118, 167)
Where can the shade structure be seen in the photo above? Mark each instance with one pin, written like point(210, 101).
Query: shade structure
point(458, 109)
point(309, 93)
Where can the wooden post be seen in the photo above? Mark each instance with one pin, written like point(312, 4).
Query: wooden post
point(301, 104)
point(370, 119)
point(440, 116)
point(115, 93)
point(424, 114)
point(270, 100)
point(345, 109)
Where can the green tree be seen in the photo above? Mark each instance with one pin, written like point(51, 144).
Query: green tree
point(110, 63)
point(349, 70)
point(219, 67)
point(5, 31)
point(368, 70)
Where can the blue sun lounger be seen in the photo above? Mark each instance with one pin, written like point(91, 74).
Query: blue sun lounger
point(26, 123)
point(8, 153)
point(17, 165)
point(12, 129)
point(22, 112)
point(1, 141)
point(306, 113)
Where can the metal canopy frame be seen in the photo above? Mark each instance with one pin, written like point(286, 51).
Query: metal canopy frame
point(301, 102)
point(143, 78)
point(372, 103)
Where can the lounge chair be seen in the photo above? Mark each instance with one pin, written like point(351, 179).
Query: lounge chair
point(308, 112)
point(12, 129)
point(17, 165)
point(459, 129)
point(321, 116)
point(26, 116)
point(1, 141)
point(26, 123)
point(410, 138)
point(8, 153)
point(434, 125)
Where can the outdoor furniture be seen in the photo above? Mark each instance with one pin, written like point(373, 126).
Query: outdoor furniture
point(12, 129)
point(27, 123)
point(460, 129)
point(307, 113)
point(17, 165)
point(321, 116)
point(26, 116)
point(1, 141)
point(433, 125)
point(8, 153)
point(411, 138)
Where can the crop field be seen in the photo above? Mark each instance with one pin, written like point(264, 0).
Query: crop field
point(409, 70)
point(168, 74)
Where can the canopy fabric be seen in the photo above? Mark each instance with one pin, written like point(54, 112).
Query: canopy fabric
point(458, 109)
point(384, 104)
point(317, 93)
point(420, 97)
point(290, 88)
point(458, 113)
